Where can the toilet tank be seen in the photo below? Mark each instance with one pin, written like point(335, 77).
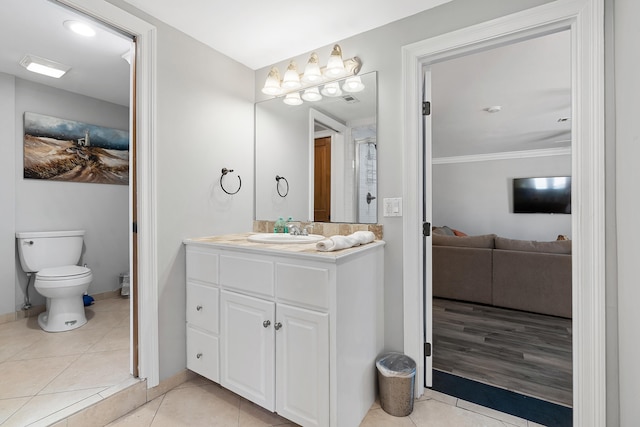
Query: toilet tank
point(44, 249)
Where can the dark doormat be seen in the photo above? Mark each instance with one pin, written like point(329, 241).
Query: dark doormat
point(529, 408)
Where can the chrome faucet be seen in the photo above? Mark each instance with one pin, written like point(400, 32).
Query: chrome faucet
point(294, 229)
point(307, 230)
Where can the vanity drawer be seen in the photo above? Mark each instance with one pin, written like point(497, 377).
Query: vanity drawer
point(203, 354)
point(203, 306)
point(202, 265)
point(247, 274)
point(308, 286)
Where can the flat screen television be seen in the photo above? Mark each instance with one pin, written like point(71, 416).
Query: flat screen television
point(551, 194)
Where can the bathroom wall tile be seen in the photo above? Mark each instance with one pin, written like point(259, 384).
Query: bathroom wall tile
point(32, 312)
point(170, 383)
point(104, 369)
point(210, 406)
point(140, 417)
point(9, 406)
point(43, 406)
point(20, 374)
point(111, 408)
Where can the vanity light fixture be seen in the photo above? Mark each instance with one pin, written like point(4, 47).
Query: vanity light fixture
point(292, 98)
point(312, 73)
point(336, 69)
point(331, 89)
point(335, 65)
point(44, 66)
point(312, 94)
point(353, 84)
point(291, 79)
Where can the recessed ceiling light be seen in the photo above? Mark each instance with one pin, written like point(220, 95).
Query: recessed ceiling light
point(44, 66)
point(80, 28)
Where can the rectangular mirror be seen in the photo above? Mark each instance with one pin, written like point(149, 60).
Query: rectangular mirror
point(317, 161)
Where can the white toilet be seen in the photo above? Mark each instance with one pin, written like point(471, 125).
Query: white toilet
point(53, 256)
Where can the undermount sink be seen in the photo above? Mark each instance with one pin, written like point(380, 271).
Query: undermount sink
point(284, 238)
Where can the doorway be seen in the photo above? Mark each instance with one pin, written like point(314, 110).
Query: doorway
point(497, 115)
point(582, 19)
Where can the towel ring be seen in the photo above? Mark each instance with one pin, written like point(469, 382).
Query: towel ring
point(278, 178)
point(224, 172)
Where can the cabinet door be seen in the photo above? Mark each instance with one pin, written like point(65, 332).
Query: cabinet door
point(247, 353)
point(302, 365)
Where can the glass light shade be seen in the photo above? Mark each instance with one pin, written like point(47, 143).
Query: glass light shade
point(331, 90)
point(335, 65)
point(79, 28)
point(312, 73)
point(272, 84)
point(312, 94)
point(291, 79)
point(353, 84)
point(292, 99)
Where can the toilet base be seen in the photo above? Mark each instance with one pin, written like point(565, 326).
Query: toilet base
point(63, 314)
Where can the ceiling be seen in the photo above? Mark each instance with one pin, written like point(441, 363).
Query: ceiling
point(259, 33)
point(35, 27)
point(529, 80)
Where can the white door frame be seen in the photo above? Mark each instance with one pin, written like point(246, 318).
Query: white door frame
point(585, 19)
point(145, 34)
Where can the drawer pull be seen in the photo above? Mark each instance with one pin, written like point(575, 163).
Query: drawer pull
point(198, 356)
point(199, 308)
point(266, 323)
point(277, 326)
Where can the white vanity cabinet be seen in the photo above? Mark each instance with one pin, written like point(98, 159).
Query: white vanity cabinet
point(297, 333)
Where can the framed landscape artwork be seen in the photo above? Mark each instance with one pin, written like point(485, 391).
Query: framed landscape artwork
point(66, 150)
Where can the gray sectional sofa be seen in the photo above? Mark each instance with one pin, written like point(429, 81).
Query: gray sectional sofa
point(517, 274)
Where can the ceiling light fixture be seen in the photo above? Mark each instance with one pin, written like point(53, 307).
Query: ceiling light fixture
point(44, 66)
point(336, 69)
point(79, 28)
point(493, 109)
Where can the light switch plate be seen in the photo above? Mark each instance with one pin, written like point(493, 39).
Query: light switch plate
point(392, 206)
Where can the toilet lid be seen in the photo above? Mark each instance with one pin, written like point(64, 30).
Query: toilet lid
point(67, 271)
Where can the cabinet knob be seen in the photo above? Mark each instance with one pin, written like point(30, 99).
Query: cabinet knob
point(277, 326)
point(266, 323)
point(198, 356)
point(199, 308)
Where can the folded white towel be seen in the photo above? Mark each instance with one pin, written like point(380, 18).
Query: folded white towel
point(335, 243)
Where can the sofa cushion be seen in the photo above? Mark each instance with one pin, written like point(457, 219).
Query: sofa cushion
point(483, 241)
point(555, 247)
point(443, 231)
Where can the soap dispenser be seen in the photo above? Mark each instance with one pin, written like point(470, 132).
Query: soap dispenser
point(279, 226)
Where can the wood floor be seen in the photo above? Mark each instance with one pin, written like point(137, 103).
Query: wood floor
point(523, 352)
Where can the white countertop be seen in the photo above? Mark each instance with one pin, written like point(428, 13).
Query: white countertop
point(304, 250)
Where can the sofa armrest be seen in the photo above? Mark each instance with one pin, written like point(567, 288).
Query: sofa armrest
point(532, 281)
point(462, 273)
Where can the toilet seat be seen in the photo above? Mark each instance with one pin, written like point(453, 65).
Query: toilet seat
point(63, 273)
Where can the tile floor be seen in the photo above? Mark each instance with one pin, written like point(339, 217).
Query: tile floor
point(200, 402)
point(46, 377)
point(43, 374)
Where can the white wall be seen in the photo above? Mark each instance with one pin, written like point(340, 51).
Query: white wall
point(204, 119)
point(627, 197)
point(481, 206)
point(7, 194)
point(380, 50)
point(100, 209)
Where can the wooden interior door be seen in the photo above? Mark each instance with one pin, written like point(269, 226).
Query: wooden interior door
point(322, 180)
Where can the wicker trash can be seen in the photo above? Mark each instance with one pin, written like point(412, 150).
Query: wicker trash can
point(396, 379)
